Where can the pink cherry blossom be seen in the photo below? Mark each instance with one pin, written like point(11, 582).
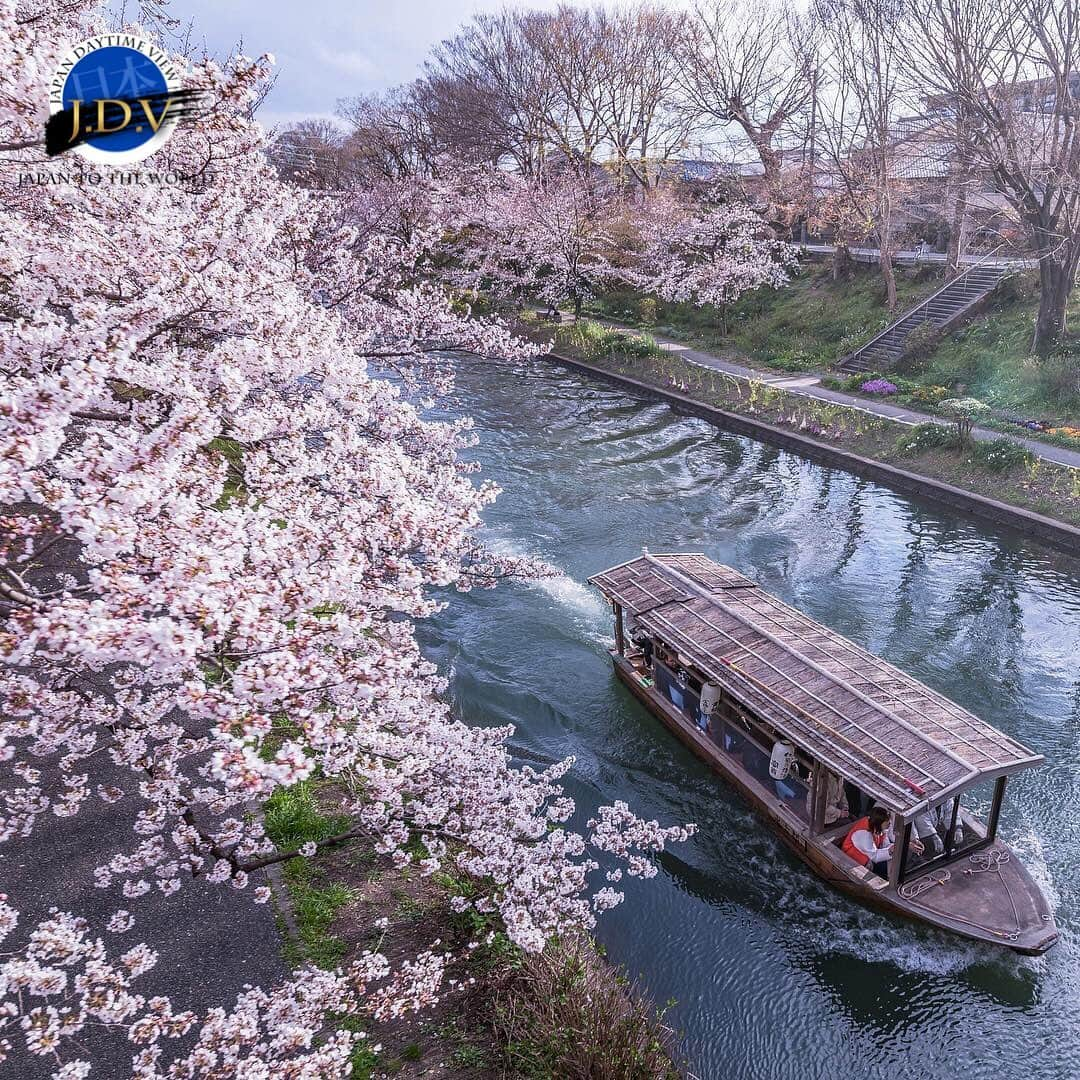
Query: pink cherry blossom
point(213, 404)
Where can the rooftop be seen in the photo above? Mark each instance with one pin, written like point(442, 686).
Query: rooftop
point(898, 740)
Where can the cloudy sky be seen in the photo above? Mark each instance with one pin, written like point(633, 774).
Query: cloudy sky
point(329, 49)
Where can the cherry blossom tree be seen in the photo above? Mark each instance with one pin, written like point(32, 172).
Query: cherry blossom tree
point(252, 521)
point(706, 252)
point(552, 239)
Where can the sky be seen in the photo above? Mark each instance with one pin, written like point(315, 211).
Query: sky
point(329, 49)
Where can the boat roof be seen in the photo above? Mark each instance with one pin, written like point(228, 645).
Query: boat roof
point(896, 739)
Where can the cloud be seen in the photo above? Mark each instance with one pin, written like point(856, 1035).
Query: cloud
point(275, 118)
point(351, 61)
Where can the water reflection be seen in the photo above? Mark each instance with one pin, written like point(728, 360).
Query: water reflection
point(776, 975)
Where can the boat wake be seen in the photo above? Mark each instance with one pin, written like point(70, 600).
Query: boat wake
point(588, 611)
point(820, 921)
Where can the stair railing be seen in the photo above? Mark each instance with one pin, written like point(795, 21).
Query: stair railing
point(919, 307)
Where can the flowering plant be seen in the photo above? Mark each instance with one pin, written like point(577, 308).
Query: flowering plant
point(966, 413)
point(878, 386)
point(217, 528)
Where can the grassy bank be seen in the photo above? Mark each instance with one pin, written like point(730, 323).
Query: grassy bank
point(989, 360)
point(806, 325)
point(564, 1014)
point(999, 469)
point(814, 321)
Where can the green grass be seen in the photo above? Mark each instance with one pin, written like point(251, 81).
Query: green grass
point(809, 323)
point(990, 358)
point(316, 903)
point(233, 454)
point(468, 1056)
point(595, 341)
point(293, 818)
point(813, 321)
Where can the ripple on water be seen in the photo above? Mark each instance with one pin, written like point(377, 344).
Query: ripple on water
point(776, 975)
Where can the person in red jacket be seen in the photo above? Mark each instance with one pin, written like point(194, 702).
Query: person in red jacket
point(867, 842)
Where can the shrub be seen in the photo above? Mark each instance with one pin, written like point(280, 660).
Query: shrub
point(647, 311)
point(564, 1012)
point(640, 345)
point(593, 341)
point(1015, 289)
point(1058, 375)
point(878, 386)
point(1001, 455)
point(929, 395)
point(919, 345)
point(965, 413)
point(925, 437)
point(855, 382)
point(793, 360)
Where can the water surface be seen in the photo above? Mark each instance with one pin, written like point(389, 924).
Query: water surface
point(775, 975)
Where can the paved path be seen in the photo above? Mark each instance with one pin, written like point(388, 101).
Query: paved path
point(809, 385)
point(212, 940)
point(929, 258)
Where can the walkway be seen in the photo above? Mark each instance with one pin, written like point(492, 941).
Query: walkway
point(929, 258)
point(212, 940)
point(809, 385)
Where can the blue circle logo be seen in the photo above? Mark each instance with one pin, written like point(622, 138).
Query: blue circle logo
point(114, 99)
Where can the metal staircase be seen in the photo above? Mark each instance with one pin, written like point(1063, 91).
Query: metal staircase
point(943, 310)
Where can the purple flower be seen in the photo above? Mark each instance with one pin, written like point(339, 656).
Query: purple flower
point(878, 386)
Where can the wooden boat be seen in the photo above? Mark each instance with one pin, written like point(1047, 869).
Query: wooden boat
point(813, 730)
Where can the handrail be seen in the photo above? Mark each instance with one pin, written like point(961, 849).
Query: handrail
point(918, 307)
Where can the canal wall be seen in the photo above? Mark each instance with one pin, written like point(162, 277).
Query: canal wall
point(1057, 534)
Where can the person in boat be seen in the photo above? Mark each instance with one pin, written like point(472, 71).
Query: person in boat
point(644, 643)
point(640, 638)
point(925, 839)
point(867, 841)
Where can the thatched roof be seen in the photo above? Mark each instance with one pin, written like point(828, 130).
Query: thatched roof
point(898, 740)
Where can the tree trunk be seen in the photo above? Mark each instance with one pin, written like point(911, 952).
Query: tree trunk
point(956, 230)
point(889, 274)
point(841, 259)
point(1056, 279)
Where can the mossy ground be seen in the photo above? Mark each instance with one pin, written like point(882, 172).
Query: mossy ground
point(563, 1014)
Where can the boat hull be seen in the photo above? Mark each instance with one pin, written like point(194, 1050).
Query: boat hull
point(961, 904)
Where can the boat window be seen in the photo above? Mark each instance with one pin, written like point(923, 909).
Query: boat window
point(679, 692)
point(957, 827)
point(741, 741)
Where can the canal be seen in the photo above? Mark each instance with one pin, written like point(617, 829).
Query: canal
point(775, 976)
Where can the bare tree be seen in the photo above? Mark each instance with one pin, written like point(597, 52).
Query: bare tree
point(1011, 69)
point(311, 153)
point(390, 135)
point(860, 134)
point(636, 89)
point(489, 91)
point(570, 46)
point(750, 65)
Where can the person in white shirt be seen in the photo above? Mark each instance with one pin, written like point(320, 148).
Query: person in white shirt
point(867, 841)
